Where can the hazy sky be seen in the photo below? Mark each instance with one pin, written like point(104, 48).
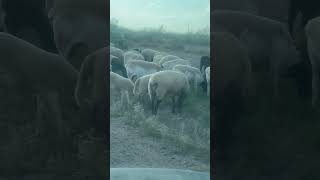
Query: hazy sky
point(175, 15)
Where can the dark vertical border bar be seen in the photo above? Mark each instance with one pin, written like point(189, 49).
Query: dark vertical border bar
point(213, 168)
point(107, 101)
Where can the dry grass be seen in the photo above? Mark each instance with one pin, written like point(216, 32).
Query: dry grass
point(190, 130)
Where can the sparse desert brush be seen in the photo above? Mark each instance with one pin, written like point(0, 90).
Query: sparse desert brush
point(191, 129)
point(154, 127)
point(185, 141)
point(116, 109)
point(113, 109)
point(187, 133)
point(190, 133)
point(134, 113)
point(138, 114)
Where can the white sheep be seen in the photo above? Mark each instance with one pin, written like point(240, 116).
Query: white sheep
point(117, 52)
point(117, 66)
point(37, 70)
point(167, 58)
point(148, 54)
point(193, 74)
point(132, 55)
point(158, 56)
point(138, 68)
point(171, 84)
point(124, 86)
point(140, 89)
point(208, 80)
point(170, 64)
point(90, 86)
point(112, 57)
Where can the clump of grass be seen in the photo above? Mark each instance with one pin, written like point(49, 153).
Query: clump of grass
point(152, 126)
point(190, 130)
point(134, 114)
point(180, 134)
point(185, 141)
point(138, 114)
point(116, 109)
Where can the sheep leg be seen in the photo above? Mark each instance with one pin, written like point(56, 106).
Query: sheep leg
point(145, 102)
point(173, 104)
point(202, 69)
point(142, 101)
point(196, 86)
point(206, 81)
point(121, 98)
point(315, 86)
point(157, 106)
point(140, 98)
point(152, 105)
point(127, 98)
point(56, 115)
point(180, 100)
point(315, 76)
point(208, 88)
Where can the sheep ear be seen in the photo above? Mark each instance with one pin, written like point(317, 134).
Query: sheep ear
point(137, 81)
point(134, 78)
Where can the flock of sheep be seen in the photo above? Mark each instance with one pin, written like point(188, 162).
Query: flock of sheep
point(152, 76)
point(266, 83)
point(68, 86)
point(252, 53)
